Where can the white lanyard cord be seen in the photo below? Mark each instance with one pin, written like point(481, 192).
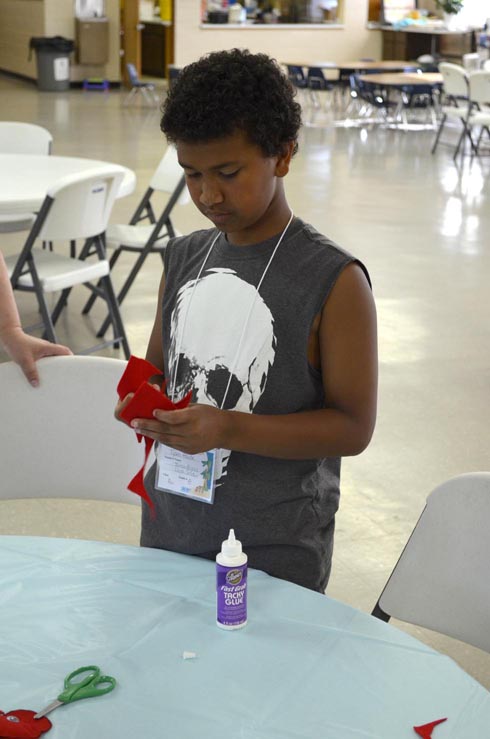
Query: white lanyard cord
point(245, 325)
point(187, 313)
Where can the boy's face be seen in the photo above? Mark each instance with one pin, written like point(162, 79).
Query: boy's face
point(236, 186)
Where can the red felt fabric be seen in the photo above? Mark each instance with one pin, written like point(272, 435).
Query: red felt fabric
point(146, 399)
point(27, 727)
point(425, 730)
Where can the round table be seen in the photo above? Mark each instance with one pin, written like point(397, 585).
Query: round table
point(26, 178)
point(304, 667)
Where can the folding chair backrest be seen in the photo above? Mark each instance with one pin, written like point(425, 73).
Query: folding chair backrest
point(479, 84)
point(168, 174)
point(81, 206)
point(296, 75)
point(455, 79)
point(441, 580)
point(24, 138)
point(132, 74)
point(486, 65)
point(316, 78)
point(61, 440)
point(471, 62)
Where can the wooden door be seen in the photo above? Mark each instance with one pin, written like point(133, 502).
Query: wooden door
point(130, 37)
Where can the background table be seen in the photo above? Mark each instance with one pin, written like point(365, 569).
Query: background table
point(403, 79)
point(358, 65)
point(26, 178)
point(304, 666)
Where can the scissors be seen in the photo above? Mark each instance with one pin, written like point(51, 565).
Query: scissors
point(90, 686)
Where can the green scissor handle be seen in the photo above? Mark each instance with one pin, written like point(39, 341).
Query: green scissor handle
point(90, 686)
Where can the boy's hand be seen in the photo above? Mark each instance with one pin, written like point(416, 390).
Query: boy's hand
point(121, 405)
point(191, 430)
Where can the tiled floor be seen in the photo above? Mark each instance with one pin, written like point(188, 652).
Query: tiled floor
point(421, 225)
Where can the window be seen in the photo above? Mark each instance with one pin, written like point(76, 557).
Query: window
point(275, 11)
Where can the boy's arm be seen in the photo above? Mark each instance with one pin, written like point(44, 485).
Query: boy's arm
point(348, 350)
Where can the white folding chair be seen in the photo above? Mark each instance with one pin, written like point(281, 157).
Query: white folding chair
point(151, 238)
point(457, 106)
point(471, 62)
point(61, 440)
point(22, 138)
point(77, 207)
point(441, 580)
point(479, 92)
point(486, 65)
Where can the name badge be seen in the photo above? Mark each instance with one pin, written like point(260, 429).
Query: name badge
point(189, 475)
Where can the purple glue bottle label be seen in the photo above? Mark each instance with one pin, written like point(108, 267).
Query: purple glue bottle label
point(231, 591)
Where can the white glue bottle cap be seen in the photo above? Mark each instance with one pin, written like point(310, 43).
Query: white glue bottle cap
point(231, 551)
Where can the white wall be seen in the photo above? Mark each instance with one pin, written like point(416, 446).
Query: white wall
point(60, 21)
point(21, 19)
point(351, 41)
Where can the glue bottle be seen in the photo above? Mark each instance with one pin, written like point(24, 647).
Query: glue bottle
point(231, 584)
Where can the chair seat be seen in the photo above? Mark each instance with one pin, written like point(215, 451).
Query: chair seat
point(480, 118)
point(455, 112)
point(135, 236)
point(58, 272)
point(9, 223)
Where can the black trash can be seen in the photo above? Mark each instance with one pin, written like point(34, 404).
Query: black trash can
point(52, 61)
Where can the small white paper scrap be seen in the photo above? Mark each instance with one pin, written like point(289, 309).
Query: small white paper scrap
point(188, 655)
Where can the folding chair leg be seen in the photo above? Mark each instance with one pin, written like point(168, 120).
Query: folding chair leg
point(62, 301)
point(480, 136)
point(466, 133)
point(438, 134)
point(49, 332)
point(129, 97)
point(460, 140)
point(127, 284)
point(115, 315)
point(88, 305)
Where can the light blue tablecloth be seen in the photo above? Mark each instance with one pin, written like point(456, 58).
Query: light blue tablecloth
point(304, 666)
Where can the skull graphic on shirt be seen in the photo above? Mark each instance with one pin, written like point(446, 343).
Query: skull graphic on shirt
point(211, 318)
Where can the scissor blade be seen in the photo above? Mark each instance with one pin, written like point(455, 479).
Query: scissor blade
point(48, 709)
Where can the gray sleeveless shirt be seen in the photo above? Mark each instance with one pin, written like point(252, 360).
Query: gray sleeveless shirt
point(282, 510)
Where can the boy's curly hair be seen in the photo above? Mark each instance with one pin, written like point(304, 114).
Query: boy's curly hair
point(229, 90)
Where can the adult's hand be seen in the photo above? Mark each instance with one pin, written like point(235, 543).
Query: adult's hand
point(25, 350)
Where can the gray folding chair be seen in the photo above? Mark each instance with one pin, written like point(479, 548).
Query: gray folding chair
point(441, 580)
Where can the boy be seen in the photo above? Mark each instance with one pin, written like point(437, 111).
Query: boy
point(270, 325)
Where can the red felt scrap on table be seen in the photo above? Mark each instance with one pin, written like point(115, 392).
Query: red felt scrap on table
point(21, 724)
point(146, 399)
point(425, 730)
